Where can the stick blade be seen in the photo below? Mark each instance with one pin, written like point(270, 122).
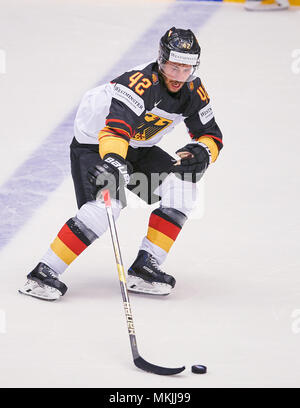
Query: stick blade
point(144, 365)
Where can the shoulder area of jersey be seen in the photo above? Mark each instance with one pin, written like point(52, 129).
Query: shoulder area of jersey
point(149, 70)
point(194, 84)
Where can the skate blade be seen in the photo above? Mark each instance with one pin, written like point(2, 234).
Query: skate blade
point(39, 291)
point(37, 297)
point(138, 285)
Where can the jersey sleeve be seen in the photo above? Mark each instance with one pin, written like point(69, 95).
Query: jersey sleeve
point(201, 123)
point(131, 94)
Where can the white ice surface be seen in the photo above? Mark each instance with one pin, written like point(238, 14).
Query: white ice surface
point(237, 297)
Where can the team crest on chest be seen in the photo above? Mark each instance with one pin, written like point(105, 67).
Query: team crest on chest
point(150, 126)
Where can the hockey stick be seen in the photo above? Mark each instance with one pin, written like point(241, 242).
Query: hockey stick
point(138, 360)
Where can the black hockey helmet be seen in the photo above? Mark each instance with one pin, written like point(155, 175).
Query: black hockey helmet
point(179, 46)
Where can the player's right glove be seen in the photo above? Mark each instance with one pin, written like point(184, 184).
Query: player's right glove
point(195, 158)
point(112, 173)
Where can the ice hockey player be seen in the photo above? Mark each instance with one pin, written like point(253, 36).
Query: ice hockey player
point(116, 130)
point(266, 5)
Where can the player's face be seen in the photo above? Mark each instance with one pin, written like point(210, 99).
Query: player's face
point(175, 75)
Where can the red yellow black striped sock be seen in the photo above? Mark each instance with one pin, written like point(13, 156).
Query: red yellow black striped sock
point(73, 238)
point(164, 227)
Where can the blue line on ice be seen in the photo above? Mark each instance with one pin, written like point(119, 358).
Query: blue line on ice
point(31, 184)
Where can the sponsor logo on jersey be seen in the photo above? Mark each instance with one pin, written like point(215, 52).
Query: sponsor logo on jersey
point(206, 114)
point(150, 126)
point(130, 98)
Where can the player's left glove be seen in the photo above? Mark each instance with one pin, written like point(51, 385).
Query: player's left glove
point(195, 158)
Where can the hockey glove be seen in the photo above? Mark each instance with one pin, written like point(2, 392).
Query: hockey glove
point(112, 173)
point(195, 158)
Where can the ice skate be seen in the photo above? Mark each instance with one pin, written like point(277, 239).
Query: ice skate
point(43, 283)
point(145, 276)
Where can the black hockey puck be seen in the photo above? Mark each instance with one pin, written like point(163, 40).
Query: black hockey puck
point(199, 369)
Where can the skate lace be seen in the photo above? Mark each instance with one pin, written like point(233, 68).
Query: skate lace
point(50, 272)
point(154, 263)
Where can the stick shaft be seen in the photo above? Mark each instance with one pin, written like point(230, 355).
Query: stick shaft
point(121, 273)
point(138, 360)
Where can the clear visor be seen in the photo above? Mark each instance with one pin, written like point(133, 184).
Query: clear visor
point(176, 71)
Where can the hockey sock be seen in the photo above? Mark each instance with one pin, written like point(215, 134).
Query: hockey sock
point(73, 238)
point(164, 227)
